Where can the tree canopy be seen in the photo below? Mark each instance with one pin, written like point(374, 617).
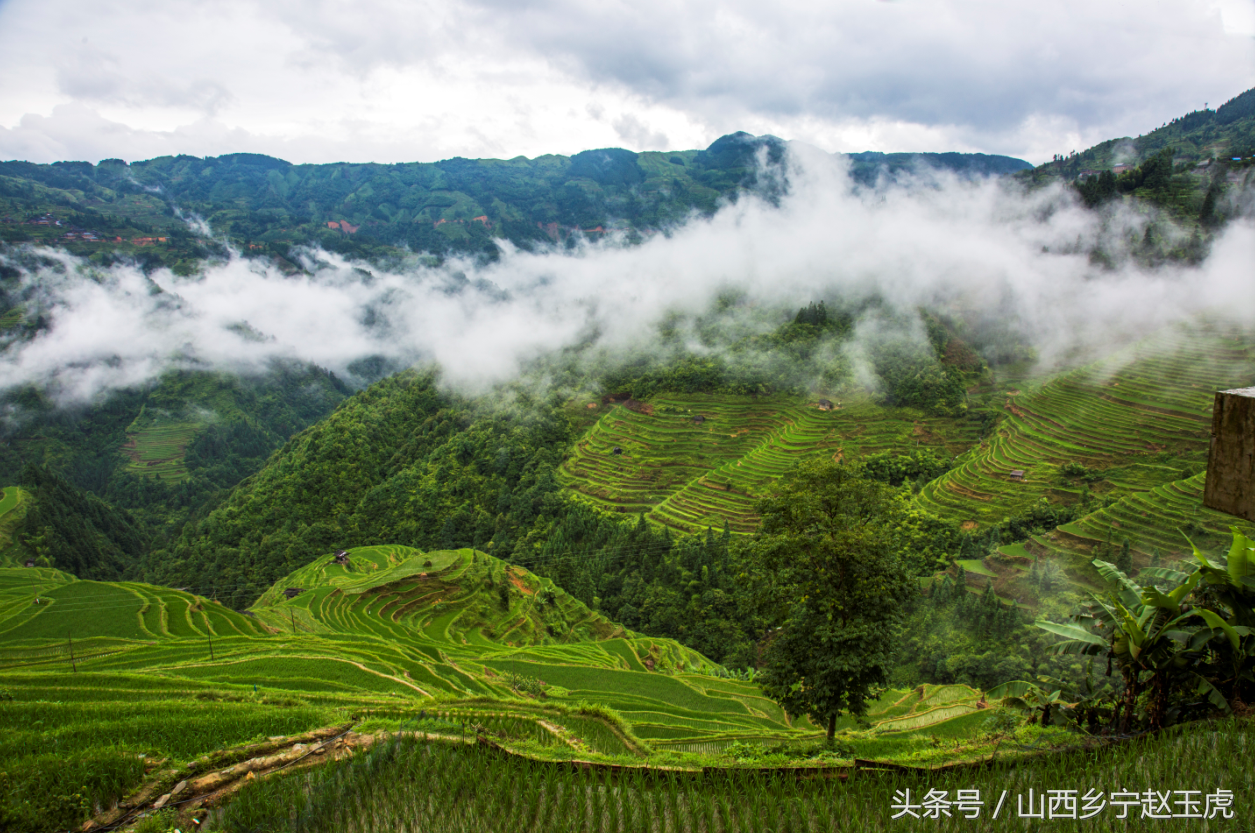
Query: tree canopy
point(826, 563)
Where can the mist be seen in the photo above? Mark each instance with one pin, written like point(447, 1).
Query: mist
point(980, 250)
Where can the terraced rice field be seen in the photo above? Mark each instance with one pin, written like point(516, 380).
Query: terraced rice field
point(398, 626)
point(1141, 418)
point(157, 450)
point(12, 511)
point(898, 713)
point(395, 638)
point(689, 473)
point(1162, 521)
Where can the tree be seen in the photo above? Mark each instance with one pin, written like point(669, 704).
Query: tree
point(826, 563)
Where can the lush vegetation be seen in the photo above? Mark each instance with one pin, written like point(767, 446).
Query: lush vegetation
point(617, 558)
point(266, 206)
point(114, 481)
point(825, 558)
point(1185, 167)
point(97, 674)
point(418, 785)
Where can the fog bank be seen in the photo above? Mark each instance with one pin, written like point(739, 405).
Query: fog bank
point(975, 249)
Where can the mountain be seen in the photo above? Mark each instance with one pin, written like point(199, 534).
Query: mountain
point(868, 166)
point(1185, 166)
point(266, 205)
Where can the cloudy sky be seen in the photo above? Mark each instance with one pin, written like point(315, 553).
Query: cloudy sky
point(400, 80)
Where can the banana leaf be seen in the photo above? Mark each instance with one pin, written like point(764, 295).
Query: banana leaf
point(1241, 557)
point(1130, 594)
point(1213, 694)
point(1216, 623)
point(1074, 633)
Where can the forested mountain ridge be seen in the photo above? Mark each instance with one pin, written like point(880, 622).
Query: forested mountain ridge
point(265, 205)
point(156, 453)
point(1184, 166)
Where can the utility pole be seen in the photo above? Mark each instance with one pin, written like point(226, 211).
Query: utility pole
point(73, 664)
point(209, 634)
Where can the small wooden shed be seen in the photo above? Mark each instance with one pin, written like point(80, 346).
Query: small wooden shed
point(1016, 474)
point(342, 557)
point(825, 405)
point(293, 592)
point(1230, 483)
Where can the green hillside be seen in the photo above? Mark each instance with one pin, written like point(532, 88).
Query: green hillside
point(691, 462)
point(566, 568)
point(266, 205)
point(1137, 419)
point(13, 506)
point(120, 669)
point(1184, 166)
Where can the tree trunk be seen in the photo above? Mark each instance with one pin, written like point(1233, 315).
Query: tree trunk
point(832, 726)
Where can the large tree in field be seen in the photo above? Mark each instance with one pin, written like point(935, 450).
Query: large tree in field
point(827, 567)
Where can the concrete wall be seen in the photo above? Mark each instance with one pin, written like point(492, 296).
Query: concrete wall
point(1231, 461)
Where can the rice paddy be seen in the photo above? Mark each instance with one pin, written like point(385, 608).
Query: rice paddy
point(1130, 430)
point(697, 461)
point(157, 449)
point(101, 673)
point(419, 785)
point(1137, 420)
point(462, 645)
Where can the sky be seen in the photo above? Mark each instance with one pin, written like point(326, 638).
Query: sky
point(398, 80)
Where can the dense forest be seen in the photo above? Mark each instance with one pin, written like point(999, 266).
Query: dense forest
point(266, 205)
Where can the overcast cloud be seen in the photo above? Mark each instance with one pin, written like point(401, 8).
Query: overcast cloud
point(394, 80)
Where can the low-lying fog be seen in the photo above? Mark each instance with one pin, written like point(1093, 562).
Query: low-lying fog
point(978, 249)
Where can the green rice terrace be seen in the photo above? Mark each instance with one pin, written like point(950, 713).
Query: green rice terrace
point(694, 461)
point(1131, 429)
point(144, 695)
point(104, 679)
point(156, 446)
point(13, 505)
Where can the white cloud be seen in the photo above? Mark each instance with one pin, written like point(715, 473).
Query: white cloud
point(386, 80)
point(976, 248)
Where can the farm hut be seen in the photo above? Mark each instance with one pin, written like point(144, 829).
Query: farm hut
point(825, 405)
point(30, 562)
point(342, 557)
point(617, 451)
point(293, 592)
point(1230, 483)
point(1017, 474)
point(699, 419)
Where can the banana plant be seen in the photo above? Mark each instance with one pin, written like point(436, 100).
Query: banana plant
point(1029, 697)
point(1156, 638)
point(1232, 583)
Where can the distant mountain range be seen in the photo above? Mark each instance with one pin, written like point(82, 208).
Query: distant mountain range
point(265, 206)
point(456, 205)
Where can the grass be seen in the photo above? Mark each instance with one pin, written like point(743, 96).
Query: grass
point(411, 785)
point(156, 447)
point(689, 475)
point(142, 675)
point(12, 510)
point(64, 760)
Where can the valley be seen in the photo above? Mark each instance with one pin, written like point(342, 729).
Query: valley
point(539, 494)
